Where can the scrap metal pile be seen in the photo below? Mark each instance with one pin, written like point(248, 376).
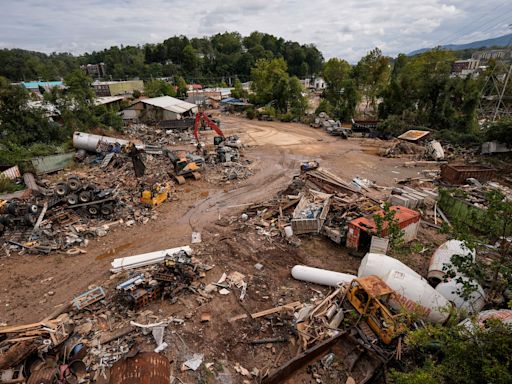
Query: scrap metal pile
point(317, 201)
point(84, 338)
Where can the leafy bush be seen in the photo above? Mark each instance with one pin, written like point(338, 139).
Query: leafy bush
point(324, 106)
point(250, 114)
point(7, 185)
point(286, 117)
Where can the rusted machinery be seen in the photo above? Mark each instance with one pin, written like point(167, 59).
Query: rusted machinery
point(369, 296)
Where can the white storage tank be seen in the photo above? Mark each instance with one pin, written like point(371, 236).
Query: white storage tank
point(443, 255)
point(416, 295)
point(473, 304)
point(321, 276)
point(90, 142)
point(379, 265)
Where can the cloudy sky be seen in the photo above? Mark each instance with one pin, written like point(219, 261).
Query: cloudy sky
point(341, 28)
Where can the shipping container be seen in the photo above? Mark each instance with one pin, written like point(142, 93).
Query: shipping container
point(459, 173)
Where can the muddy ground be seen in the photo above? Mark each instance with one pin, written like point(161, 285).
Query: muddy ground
point(33, 286)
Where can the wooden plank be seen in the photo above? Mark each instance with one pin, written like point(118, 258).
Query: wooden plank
point(20, 328)
point(266, 312)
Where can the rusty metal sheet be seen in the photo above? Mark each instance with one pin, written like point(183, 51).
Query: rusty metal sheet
point(459, 173)
point(413, 135)
point(45, 375)
point(374, 286)
point(144, 368)
point(12, 173)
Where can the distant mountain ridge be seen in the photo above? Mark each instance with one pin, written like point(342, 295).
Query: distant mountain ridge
point(501, 41)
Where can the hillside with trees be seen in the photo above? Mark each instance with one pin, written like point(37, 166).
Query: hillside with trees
point(207, 60)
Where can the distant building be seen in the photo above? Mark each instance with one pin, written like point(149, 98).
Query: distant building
point(306, 83)
point(492, 54)
point(464, 68)
point(194, 87)
point(160, 109)
point(319, 84)
point(36, 86)
point(95, 70)
point(214, 93)
point(115, 88)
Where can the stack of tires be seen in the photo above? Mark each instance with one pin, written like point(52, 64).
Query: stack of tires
point(76, 193)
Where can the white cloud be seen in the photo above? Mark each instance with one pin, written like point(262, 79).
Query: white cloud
point(347, 29)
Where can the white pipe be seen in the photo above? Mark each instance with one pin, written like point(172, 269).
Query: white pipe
point(145, 259)
point(379, 265)
point(321, 276)
point(415, 295)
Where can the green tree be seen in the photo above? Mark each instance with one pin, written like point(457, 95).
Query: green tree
point(455, 354)
point(341, 89)
point(387, 226)
point(239, 92)
point(21, 123)
point(298, 102)
point(156, 88)
point(182, 87)
point(270, 83)
point(372, 75)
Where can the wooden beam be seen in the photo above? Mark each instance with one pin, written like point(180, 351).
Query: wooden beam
point(266, 312)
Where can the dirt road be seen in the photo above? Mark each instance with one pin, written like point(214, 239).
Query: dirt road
point(33, 285)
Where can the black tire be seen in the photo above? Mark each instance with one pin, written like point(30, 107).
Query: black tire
point(72, 199)
point(84, 197)
point(93, 209)
point(61, 189)
point(32, 208)
point(29, 220)
point(107, 209)
point(74, 183)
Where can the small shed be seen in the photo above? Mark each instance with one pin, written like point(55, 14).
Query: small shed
point(161, 108)
point(360, 230)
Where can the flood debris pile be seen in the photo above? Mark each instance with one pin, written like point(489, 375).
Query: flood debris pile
point(316, 202)
point(83, 339)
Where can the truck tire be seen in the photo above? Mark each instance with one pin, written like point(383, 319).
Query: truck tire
point(72, 199)
point(84, 196)
point(74, 183)
point(62, 189)
point(107, 209)
point(93, 209)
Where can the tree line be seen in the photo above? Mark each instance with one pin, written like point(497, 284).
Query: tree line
point(207, 60)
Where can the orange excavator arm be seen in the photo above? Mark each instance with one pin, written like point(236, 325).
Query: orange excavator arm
point(211, 124)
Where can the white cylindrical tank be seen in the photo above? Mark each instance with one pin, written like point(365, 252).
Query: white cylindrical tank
point(89, 142)
point(443, 255)
point(321, 276)
point(416, 295)
point(379, 265)
point(473, 304)
point(503, 315)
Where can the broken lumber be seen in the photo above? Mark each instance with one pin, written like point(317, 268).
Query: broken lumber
point(108, 337)
point(266, 312)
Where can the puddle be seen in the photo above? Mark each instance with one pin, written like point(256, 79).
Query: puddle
point(111, 252)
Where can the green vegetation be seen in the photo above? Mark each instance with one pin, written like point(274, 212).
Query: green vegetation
point(421, 93)
point(450, 353)
point(156, 88)
point(206, 60)
point(273, 86)
point(387, 226)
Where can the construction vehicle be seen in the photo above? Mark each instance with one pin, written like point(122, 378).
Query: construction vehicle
point(369, 296)
point(185, 165)
point(202, 119)
point(156, 195)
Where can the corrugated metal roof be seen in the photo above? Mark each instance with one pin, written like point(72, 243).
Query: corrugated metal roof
point(170, 104)
point(12, 173)
point(52, 163)
point(107, 99)
point(413, 135)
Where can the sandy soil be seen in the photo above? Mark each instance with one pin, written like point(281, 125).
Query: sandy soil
point(32, 286)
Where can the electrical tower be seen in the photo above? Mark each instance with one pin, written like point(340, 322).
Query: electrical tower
point(496, 99)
